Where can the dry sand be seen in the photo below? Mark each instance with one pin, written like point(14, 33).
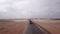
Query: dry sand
point(12, 26)
point(18, 26)
point(53, 26)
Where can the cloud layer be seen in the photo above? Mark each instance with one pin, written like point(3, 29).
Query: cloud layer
point(29, 9)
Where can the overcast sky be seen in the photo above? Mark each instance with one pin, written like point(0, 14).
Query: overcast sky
point(29, 9)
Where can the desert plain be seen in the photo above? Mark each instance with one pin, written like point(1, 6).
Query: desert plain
point(9, 26)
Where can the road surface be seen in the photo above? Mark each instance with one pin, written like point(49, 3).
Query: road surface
point(34, 29)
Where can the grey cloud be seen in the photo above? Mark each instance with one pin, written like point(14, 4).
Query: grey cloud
point(30, 9)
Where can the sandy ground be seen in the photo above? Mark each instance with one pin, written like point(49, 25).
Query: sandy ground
point(23, 26)
point(53, 26)
point(12, 26)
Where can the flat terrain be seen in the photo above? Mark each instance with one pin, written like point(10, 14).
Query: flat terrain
point(52, 26)
point(37, 26)
point(12, 26)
